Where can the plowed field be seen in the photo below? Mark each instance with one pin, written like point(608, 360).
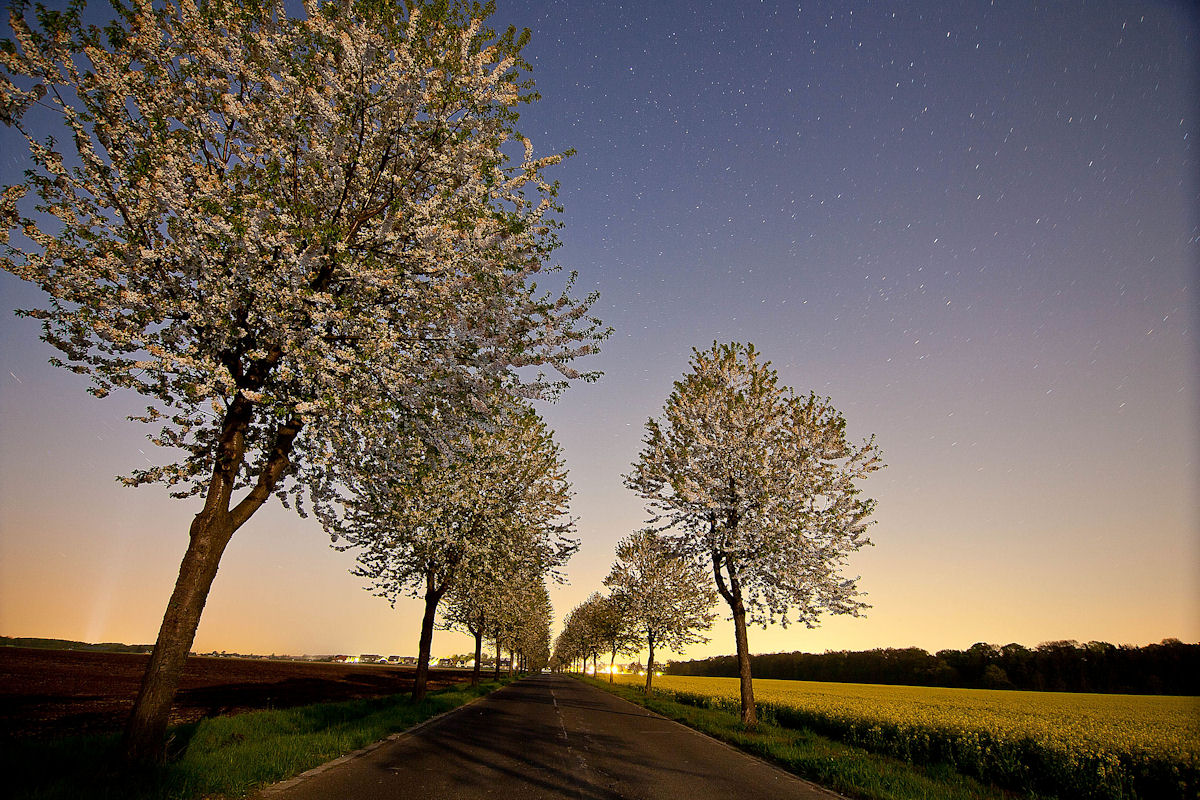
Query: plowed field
point(51, 693)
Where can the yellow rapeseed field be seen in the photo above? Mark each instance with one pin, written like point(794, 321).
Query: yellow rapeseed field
point(1105, 721)
point(1075, 745)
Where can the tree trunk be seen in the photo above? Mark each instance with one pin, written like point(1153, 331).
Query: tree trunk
point(478, 657)
point(510, 663)
point(749, 712)
point(497, 654)
point(650, 663)
point(145, 733)
point(210, 532)
point(611, 663)
point(433, 596)
point(731, 590)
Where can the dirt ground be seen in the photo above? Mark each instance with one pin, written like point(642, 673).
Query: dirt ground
point(52, 693)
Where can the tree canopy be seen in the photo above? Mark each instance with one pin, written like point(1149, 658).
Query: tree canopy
point(258, 221)
point(761, 483)
point(663, 598)
point(265, 224)
point(421, 519)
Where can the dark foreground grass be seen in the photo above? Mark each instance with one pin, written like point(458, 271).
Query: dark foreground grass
point(843, 768)
point(221, 756)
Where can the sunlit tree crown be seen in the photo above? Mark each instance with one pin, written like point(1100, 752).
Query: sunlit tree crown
point(282, 216)
point(762, 482)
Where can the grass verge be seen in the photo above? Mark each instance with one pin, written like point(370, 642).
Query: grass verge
point(220, 756)
point(843, 768)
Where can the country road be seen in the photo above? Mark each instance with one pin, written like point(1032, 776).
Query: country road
point(550, 737)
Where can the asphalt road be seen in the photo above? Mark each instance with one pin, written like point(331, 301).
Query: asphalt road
point(550, 737)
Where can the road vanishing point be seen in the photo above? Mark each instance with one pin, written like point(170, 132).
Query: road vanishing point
point(549, 736)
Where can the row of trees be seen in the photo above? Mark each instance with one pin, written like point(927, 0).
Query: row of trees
point(487, 523)
point(310, 243)
point(1170, 667)
point(512, 610)
point(755, 486)
point(656, 598)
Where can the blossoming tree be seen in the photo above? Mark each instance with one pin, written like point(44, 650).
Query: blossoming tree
point(525, 623)
point(503, 599)
point(473, 605)
point(421, 518)
point(579, 638)
point(567, 647)
point(763, 484)
point(613, 628)
point(662, 597)
point(257, 221)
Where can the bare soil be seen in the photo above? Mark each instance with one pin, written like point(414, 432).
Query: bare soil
point(53, 693)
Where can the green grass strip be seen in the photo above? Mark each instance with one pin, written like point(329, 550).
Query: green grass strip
point(221, 756)
point(843, 768)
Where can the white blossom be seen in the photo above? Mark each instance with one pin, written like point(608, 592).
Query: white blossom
point(274, 228)
point(762, 484)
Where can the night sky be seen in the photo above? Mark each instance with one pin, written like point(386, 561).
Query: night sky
point(974, 226)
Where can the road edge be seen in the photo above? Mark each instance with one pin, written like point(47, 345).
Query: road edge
point(815, 786)
point(275, 789)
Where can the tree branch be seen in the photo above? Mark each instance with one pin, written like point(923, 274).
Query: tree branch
point(268, 477)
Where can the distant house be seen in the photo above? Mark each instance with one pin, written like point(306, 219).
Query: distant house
point(397, 661)
point(370, 658)
point(454, 663)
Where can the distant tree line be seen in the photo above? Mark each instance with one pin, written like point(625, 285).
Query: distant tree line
point(67, 644)
point(1170, 667)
